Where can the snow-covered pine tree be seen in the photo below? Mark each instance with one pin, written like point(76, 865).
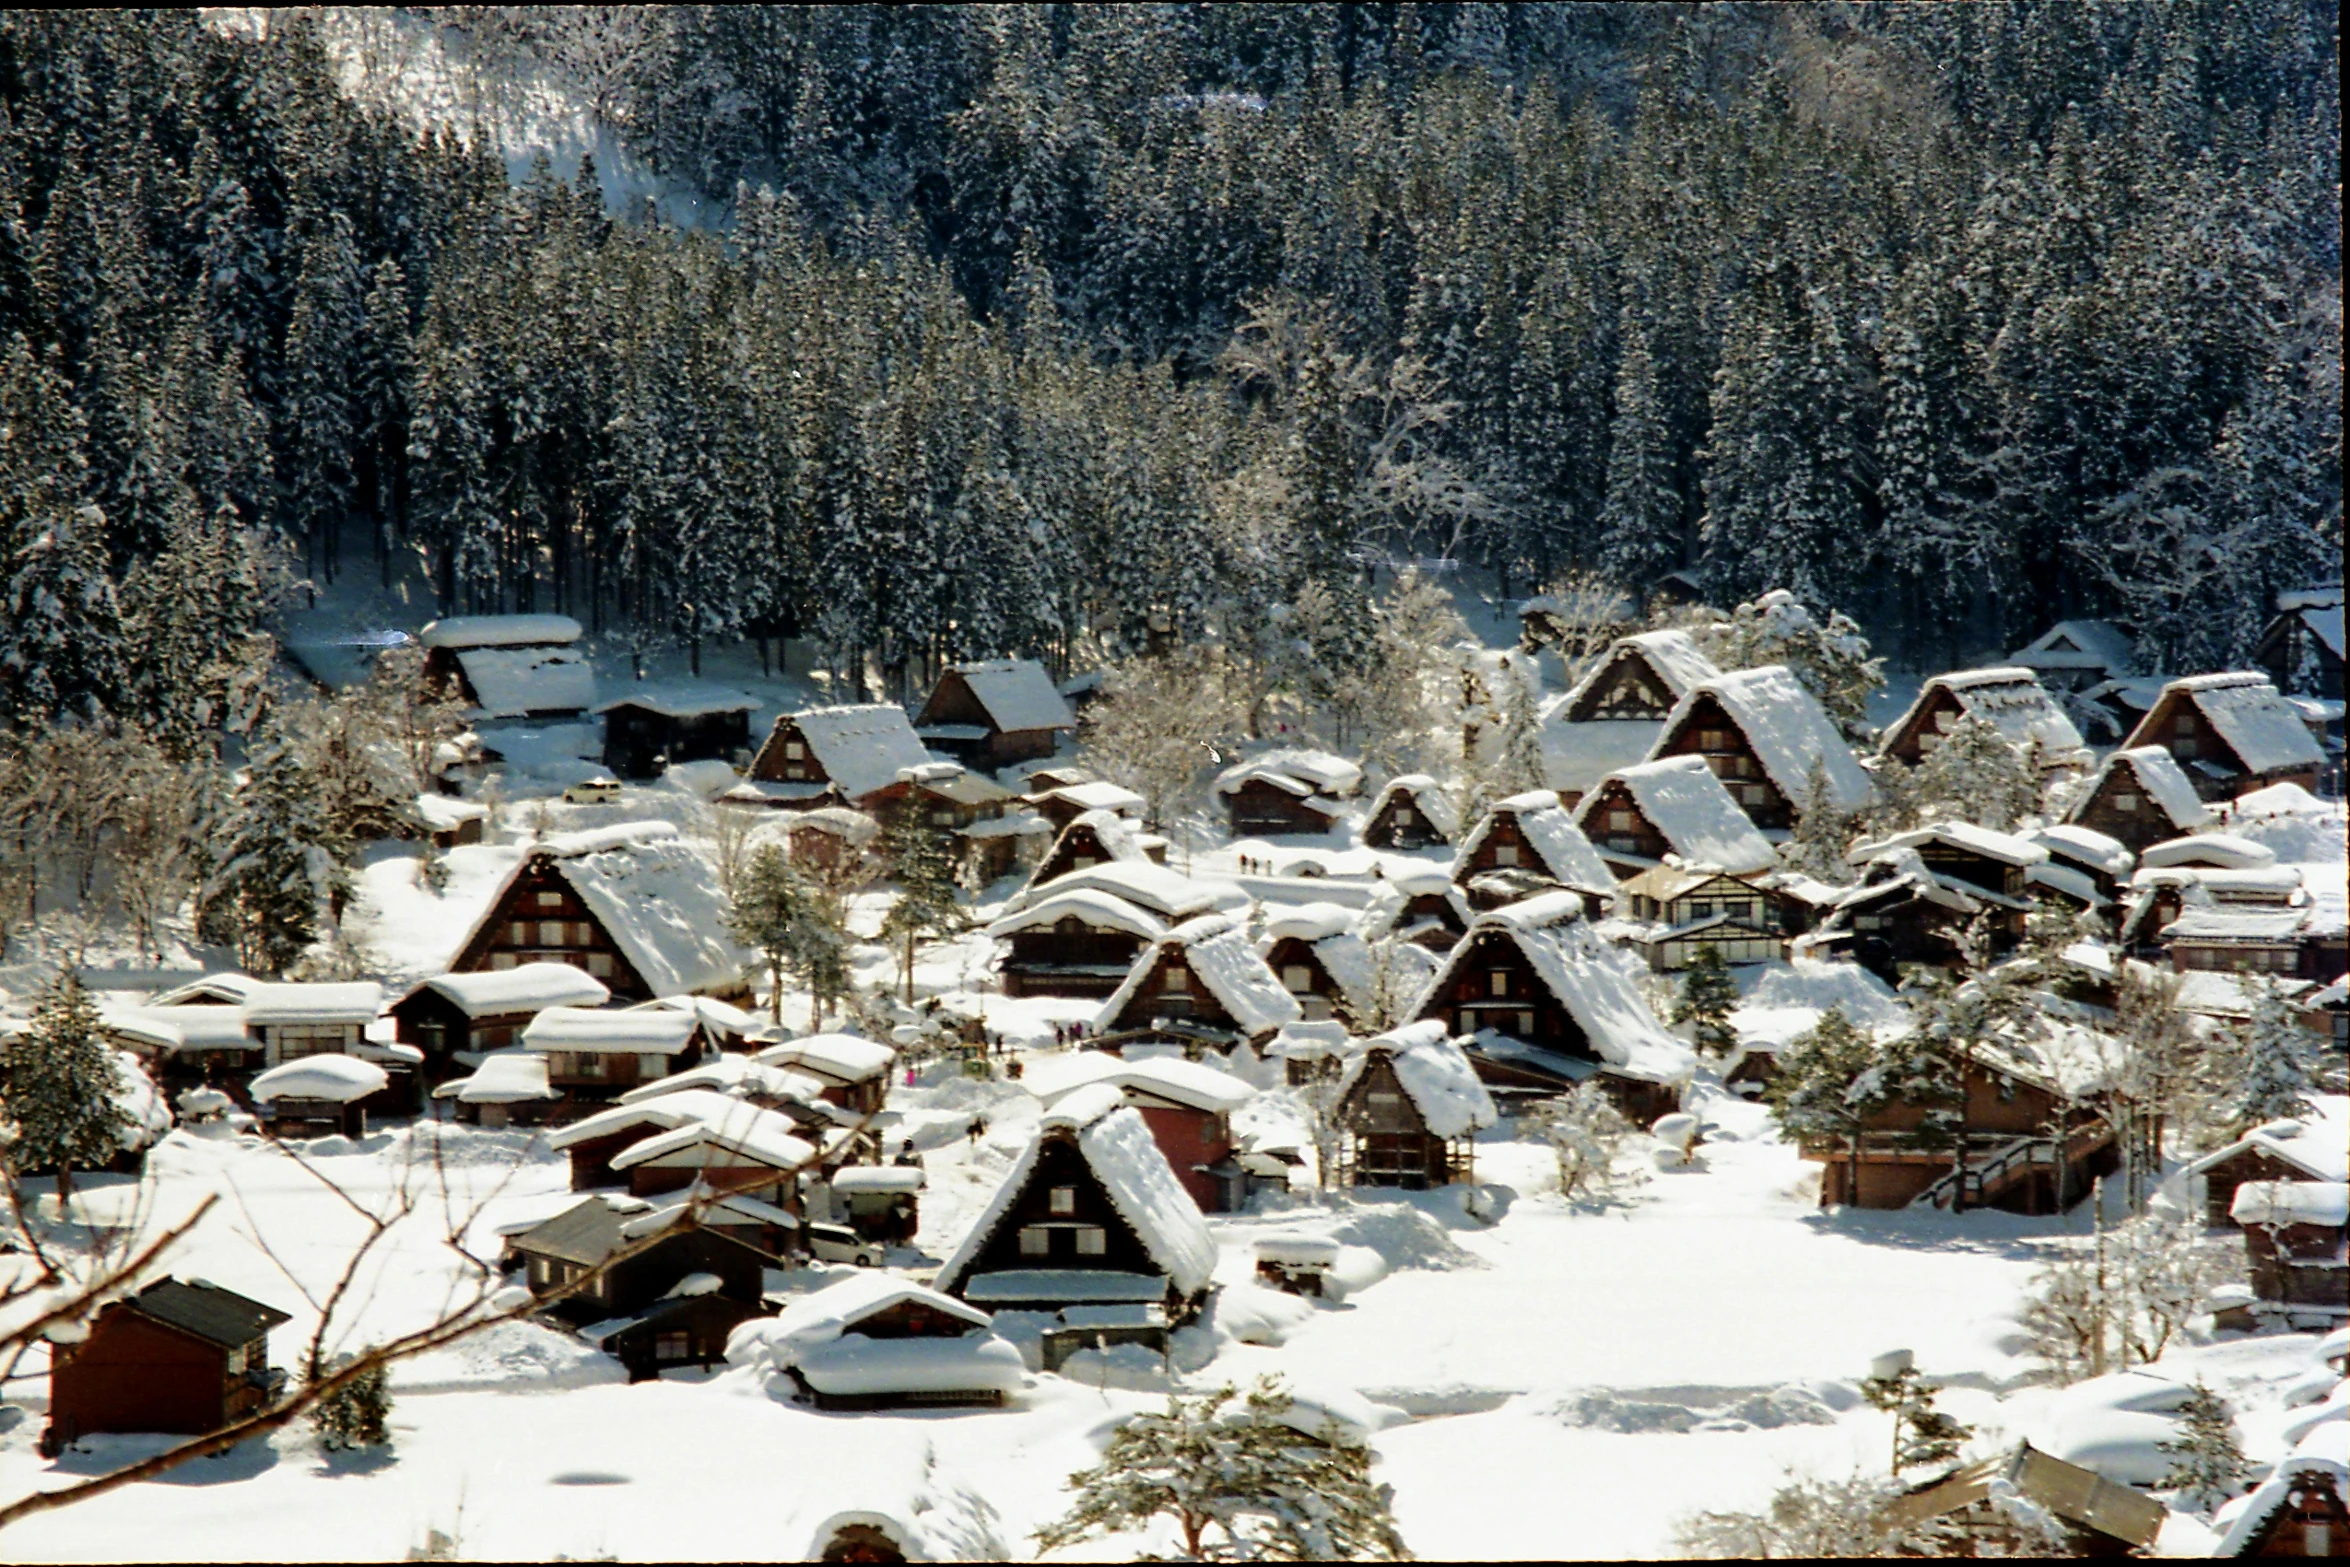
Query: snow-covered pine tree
point(768, 912)
point(924, 864)
point(1826, 1089)
point(1707, 997)
point(1640, 524)
point(2272, 1064)
point(357, 1414)
point(275, 868)
point(322, 372)
point(2207, 1462)
point(58, 1089)
point(61, 645)
point(1922, 1434)
point(1238, 1484)
point(1975, 775)
point(1830, 657)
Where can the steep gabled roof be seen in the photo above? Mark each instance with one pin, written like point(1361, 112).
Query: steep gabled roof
point(2159, 779)
point(1427, 797)
point(2011, 700)
point(1683, 800)
point(862, 748)
point(2079, 644)
point(1017, 694)
point(1216, 948)
point(2248, 715)
point(1673, 655)
point(654, 895)
point(1435, 1075)
point(1567, 856)
point(1118, 1148)
point(1787, 730)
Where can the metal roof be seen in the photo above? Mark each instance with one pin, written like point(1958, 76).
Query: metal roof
point(216, 1315)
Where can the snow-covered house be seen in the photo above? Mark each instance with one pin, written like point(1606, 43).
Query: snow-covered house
point(508, 1088)
point(1203, 980)
point(2302, 1509)
point(2100, 1517)
point(1547, 1003)
point(2313, 1148)
point(1062, 803)
point(185, 1046)
point(1987, 861)
point(2304, 940)
point(1637, 816)
point(488, 1010)
point(591, 1142)
point(633, 905)
point(876, 1341)
point(2010, 699)
point(1411, 812)
point(660, 1298)
point(1320, 958)
point(1293, 791)
point(1528, 845)
point(857, 756)
point(655, 725)
point(319, 1094)
point(995, 712)
point(1424, 907)
point(1908, 908)
point(2073, 655)
point(1686, 907)
point(1080, 943)
point(510, 666)
point(2230, 734)
point(1411, 1106)
point(747, 1150)
point(1092, 1223)
point(2158, 895)
point(1187, 1105)
point(290, 1019)
point(1767, 739)
point(2138, 797)
point(828, 839)
point(595, 1053)
point(181, 1358)
point(2302, 647)
point(853, 1070)
point(2100, 861)
point(1096, 838)
point(1613, 715)
point(2295, 1235)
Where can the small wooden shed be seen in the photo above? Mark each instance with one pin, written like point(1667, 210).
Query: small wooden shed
point(1411, 1107)
point(178, 1357)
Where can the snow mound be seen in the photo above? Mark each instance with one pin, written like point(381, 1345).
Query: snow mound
point(1251, 1314)
point(1679, 1411)
point(1868, 1002)
point(1403, 1235)
point(507, 1354)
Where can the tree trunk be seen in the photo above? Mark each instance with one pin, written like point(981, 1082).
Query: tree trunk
point(775, 995)
point(909, 967)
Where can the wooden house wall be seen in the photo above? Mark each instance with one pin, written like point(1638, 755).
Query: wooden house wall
point(1908, 742)
point(1079, 847)
point(2297, 1264)
point(2222, 1179)
point(1388, 1142)
point(1259, 807)
point(1493, 986)
point(2282, 648)
point(910, 1319)
point(1995, 1106)
point(701, 1328)
point(541, 917)
point(952, 701)
point(1059, 1164)
point(1047, 962)
point(1616, 821)
point(635, 736)
point(1294, 957)
point(1707, 730)
point(637, 1282)
point(1973, 867)
point(1504, 847)
point(775, 764)
point(1156, 1000)
point(1400, 824)
point(2121, 809)
point(1629, 688)
point(2316, 1524)
point(1190, 1138)
point(136, 1374)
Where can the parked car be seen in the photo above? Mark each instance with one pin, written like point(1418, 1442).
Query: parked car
point(594, 791)
point(839, 1243)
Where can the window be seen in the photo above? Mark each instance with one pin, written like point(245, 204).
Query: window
point(1755, 794)
point(550, 900)
point(238, 1359)
point(538, 1273)
point(1927, 742)
point(2125, 801)
point(1403, 816)
point(2184, 724)
point(1525, 1025)
point(1092, 1241)
point(551, 933)
point(1700, 909)
point(673, 1346)
point(794, 751)
point(600, 964)
point(588, 1064)
point(1497, 982)
point(501, 960)
point(310, 1039)
point(1385, 1101)
point(518, 933)
point(1063, 1199)
point(1868, 922)
point(1505, 854)
point(1296, 979)
point(1083, 862)
point(942, 818)
point(1621, 821)
point(1036, 1241)
point(1178, 978)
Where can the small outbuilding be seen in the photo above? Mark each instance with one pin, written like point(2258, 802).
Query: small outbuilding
point(1411, 1105)
point(2294, 1241)
point(1411, 812)
point(317, 1095)
point(653, 726)
point(993, 713)
point(1287, 792)
point(182, 1358)
point(878, 1341)
point(854, 1072)
point(670, 1301)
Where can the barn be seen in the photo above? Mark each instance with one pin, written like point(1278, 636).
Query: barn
point(509, 666)
point(1411, 812)
point(181, 1358)
point(1202, 980)
point(1287, 792)
point(2139, 797)
point(657, 725)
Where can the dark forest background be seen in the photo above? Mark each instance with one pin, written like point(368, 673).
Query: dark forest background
point(1030, 324)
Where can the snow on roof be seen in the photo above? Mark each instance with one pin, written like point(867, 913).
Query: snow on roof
point(1168, 1077)
point(2158, 775)
point(879, 1178)
point(1592, 979)
point(1118, 1147)
point(353, 1001)
point(664, 1111)
point(181, 1027)
point(2011, 700)
point(862, 748)
point(700, 1202)
point(504, 1077)
point(598, 1031)
point(1017, 694)
point(1169, 894)
point(231, 988)
point(837, 1308)
point(528, 987)
point(463, 631)
point(2084, 846)
point(2074, 884)
point(1673, 655)
point(2222, 849)
point(1787, 729)
point(442, 813)
point(1100, 910)
point(1307, 921)
point(1427, 797)
point(656, 896)
point(2291, 1202)
point(2073, 644)
point(846, 1057)
point(1566, 855)
point(1685, 802)
point(680, 699)
point(513, 682)
point(2316, 1456)
point(1216, 948)
point(2256, 723)
point(2318, 1145)
point(341, 1079)
point(761, 1136)
point(1096, 795)
point(2007, 848)
point(1434, 1073)
point(838, 821)
point(1577, 756)
point(737, 1076)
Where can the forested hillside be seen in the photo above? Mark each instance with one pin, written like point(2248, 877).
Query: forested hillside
point(1028, 323)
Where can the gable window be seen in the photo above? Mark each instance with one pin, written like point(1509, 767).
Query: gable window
point(793, 751)
point(1621, 821)
point(1296, 979)
point(551, 933)
point(1505, 854)
point(1064, 1199)
point(1525, 1025)
point(518, 933)
point(501, 960)
point(1092, 1241)
point(1178, 978)
point(600, 964)
point(1083, 862)
point(550, 900)
point(1036, 1241)
point(1497, 982)
point(2184, 724)
point(1385, 1101)
point(2125, 801)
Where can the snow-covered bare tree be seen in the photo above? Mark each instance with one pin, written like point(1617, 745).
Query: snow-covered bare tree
point(2270, 1068)
point(1590, 1139)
